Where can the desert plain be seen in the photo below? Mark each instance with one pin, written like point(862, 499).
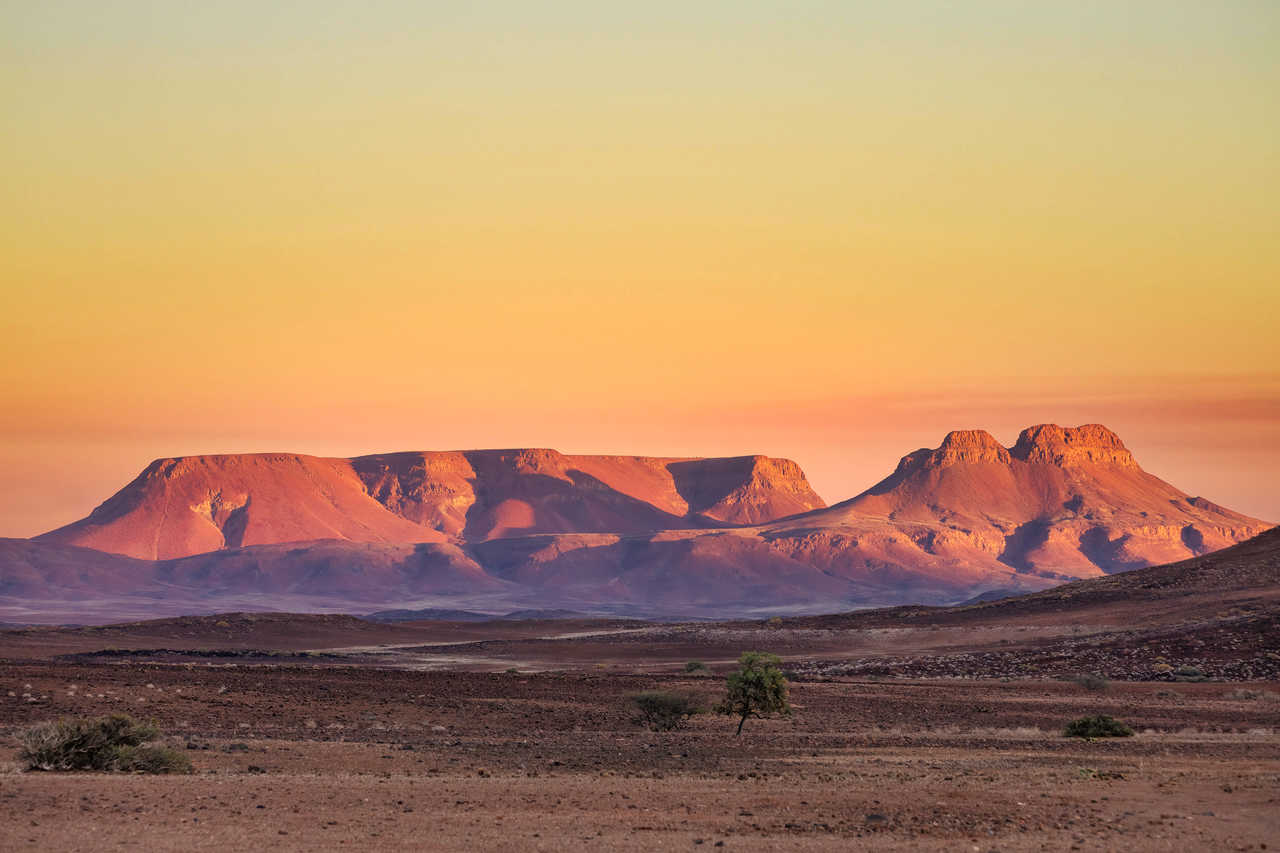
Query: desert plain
point(330, 732)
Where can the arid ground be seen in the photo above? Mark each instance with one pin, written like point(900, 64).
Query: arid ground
point(328, 733)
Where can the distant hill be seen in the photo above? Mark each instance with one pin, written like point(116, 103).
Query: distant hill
point(445, 615)
point(441, 614)
point(1213, 616)
point(1243, 577)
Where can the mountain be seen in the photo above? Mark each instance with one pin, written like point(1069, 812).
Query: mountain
point(198, 504)
point(535, 529)
point(1062, 503)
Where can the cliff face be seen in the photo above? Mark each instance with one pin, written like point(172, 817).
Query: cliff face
point(192, 505)
point(486, 494)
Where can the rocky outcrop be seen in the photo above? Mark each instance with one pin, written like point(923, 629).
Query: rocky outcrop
point(435, 490)
point(1091, 444)
point(966, 445)
point(744, 489)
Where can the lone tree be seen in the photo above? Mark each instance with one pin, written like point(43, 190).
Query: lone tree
point(757, 688)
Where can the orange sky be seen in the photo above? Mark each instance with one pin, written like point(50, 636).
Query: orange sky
point(829, 231)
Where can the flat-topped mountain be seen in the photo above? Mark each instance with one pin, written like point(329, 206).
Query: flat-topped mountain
point(196, 504)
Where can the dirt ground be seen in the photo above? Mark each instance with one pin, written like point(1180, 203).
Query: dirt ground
point(306, 756)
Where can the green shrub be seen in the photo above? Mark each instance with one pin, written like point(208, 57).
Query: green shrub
point(117, 742)
point(696, 666)
point(756, 689)
point(664, 710)
point(1097, 726)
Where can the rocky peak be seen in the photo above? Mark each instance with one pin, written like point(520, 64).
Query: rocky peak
point(969, 445)
point(959, 446)
point(1065, 446)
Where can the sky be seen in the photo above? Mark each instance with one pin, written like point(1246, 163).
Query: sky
point(830, 231)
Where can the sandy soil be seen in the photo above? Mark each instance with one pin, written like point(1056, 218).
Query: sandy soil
point(304, 757)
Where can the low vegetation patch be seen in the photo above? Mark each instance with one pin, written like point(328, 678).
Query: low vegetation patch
point(696, 667)
point(1091, 681)
point(1097, 726)
point(117, 742)
point(1189, 673)
point(665, 710)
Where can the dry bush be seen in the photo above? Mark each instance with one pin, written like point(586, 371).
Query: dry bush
point(1189, 673)
point(117, 742)
point(1097, 726)
point(664, 710)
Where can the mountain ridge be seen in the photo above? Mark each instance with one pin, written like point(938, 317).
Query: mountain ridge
point(182, 506)
point(534, 528)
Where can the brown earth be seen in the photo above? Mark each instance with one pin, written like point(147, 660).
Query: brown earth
point(339, 757)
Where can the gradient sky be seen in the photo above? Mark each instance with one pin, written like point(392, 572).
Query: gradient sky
point(824, 230)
